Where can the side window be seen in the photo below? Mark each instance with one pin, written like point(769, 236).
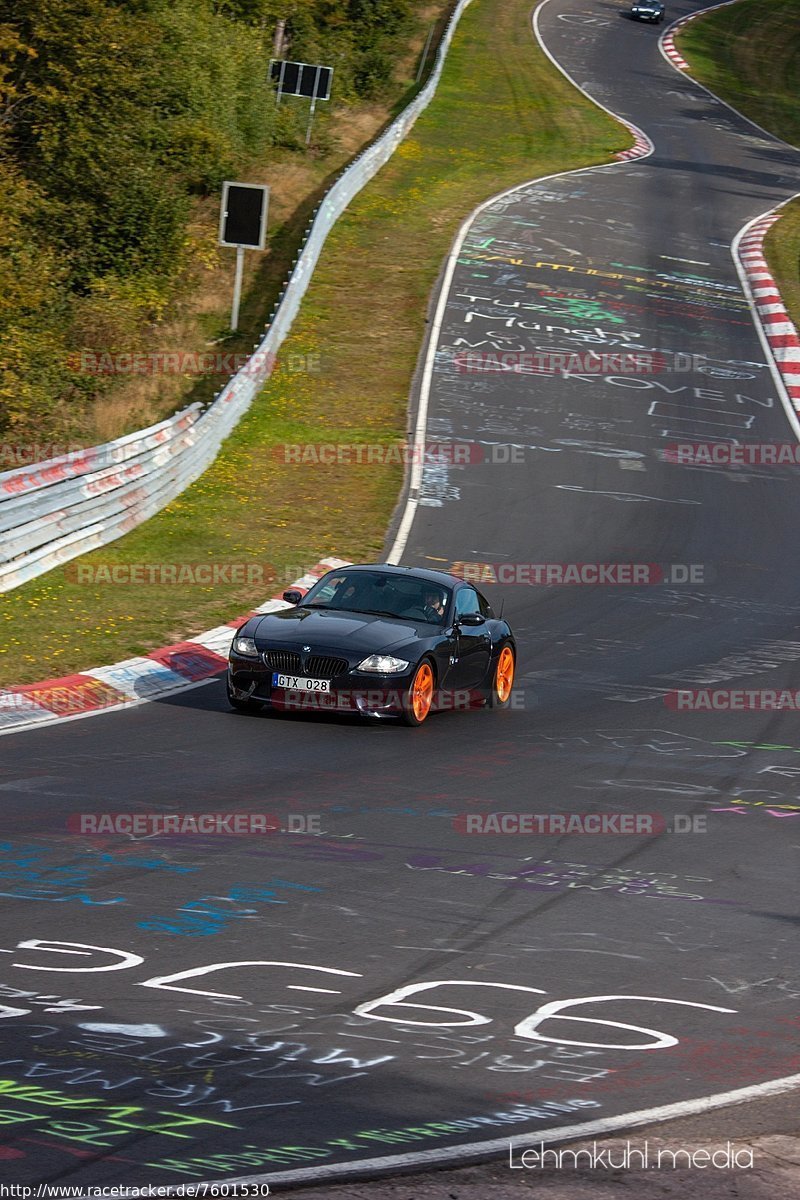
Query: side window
point(485, 607)
point(467, 601)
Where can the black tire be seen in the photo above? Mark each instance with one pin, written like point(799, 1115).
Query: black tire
point(243, 706)
point(500, 698)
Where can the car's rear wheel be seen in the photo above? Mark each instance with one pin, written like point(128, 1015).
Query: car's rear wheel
point(247, 706)
point(418, 699)
point(503, 679)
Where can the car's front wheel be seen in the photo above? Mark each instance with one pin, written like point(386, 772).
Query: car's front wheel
point(418, 699)
point(248, 706)
point(503, 678)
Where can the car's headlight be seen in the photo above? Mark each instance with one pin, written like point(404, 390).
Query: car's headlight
point(383, 664)
point(245, 646)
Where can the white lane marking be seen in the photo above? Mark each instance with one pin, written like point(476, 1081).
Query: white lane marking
point(625, 497)
point(563, 1133)
point(128, 1030)
point(695, 262)
point(420, 429)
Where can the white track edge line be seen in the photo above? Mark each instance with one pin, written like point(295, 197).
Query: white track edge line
point(644, 1116)
point(420, 430)
point(744, 280)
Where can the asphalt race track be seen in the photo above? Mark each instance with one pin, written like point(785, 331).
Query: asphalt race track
point(184, 1008)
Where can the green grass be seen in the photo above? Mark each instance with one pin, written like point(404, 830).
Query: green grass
point(782, 247)
point(502, 115)
point(749, 55)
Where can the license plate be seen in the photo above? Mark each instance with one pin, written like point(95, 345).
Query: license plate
point(299, 683)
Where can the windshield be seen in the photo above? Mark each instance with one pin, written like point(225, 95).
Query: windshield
point(375, 592)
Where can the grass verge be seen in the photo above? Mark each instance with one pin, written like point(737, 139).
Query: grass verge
point(749, 55)
point(502, 115)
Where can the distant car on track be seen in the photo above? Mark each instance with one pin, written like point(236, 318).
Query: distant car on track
point(648, 10)
point(375, 640)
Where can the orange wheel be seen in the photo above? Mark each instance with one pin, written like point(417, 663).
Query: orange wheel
point(420, 695)
point(503, 682)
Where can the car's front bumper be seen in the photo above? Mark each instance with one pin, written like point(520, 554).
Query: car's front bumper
point(351, 692)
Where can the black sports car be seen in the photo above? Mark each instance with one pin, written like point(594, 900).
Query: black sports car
point(377, 640)
point(648, 10)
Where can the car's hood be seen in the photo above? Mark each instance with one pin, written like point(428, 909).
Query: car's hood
point(349, 632)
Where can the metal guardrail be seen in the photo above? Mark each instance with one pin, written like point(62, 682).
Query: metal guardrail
point(57, 510)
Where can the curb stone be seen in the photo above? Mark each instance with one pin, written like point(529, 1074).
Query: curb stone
point(160, 673)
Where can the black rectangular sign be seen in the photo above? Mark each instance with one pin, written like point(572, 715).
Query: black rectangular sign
point(301, 79)
point(243, 216)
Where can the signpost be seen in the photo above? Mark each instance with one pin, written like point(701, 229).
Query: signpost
point(243, 224)
point(301, 79)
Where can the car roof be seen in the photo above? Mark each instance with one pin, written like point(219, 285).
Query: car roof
point(443, 578)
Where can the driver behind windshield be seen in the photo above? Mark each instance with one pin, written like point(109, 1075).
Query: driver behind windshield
point(433, 604)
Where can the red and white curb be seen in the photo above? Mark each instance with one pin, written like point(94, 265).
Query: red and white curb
point(149, 677)
point(668, 44)
point(779, 329)
point(642, 146)
point(779, 332)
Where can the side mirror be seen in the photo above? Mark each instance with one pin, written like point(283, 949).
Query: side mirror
point(471, 619)
point(293, 596)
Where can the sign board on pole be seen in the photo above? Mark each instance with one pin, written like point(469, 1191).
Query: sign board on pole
point(301, 79)
point(243, 224)
point(243, 215)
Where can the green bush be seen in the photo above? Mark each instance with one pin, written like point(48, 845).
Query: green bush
point(114, 116)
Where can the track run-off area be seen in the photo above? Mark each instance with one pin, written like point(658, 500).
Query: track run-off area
point(389, 983)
